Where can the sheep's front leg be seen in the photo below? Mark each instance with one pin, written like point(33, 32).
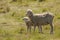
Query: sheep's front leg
point(28, 28)
point(34, 27)
point(51, 30)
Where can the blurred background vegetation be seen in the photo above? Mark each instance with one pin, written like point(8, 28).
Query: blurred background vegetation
point(12, 27)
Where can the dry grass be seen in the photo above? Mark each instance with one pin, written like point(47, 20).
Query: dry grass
point(12, 27)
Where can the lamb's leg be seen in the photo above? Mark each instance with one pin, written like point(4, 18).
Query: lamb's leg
point(30, 28)
point(27, 28)
point(51, 30)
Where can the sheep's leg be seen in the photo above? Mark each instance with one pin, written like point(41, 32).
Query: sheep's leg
point(40, 29)
point(30, 29)
point(27, 28)
point(51, 30)
point(34, 27)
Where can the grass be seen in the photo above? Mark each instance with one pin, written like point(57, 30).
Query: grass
point(12, 27)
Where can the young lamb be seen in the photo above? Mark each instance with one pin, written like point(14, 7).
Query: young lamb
point(41, 19)
point(28, 23)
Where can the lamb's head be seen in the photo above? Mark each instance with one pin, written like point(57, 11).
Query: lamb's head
point(26, 19)
point(29, 13)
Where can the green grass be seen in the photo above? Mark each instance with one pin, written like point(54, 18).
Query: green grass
point(12, 27)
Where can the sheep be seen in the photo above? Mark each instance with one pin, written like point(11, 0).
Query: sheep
point(28, 23)
point(41, 19)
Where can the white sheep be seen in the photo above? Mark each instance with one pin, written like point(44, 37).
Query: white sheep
point(41, 19)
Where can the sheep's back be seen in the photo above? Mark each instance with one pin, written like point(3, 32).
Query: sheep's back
point(43, 18)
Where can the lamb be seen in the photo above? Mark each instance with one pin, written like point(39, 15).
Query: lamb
point(41, 19)
point(28, 23)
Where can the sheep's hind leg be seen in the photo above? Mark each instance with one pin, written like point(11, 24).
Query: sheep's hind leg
point(51, 30)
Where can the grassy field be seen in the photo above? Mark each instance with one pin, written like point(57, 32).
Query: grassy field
point(12, 27)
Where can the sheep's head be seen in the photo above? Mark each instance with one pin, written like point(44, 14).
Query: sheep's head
point(26, 19)
point(29, 13)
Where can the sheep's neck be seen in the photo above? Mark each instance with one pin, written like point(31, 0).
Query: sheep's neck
point(32, 18)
